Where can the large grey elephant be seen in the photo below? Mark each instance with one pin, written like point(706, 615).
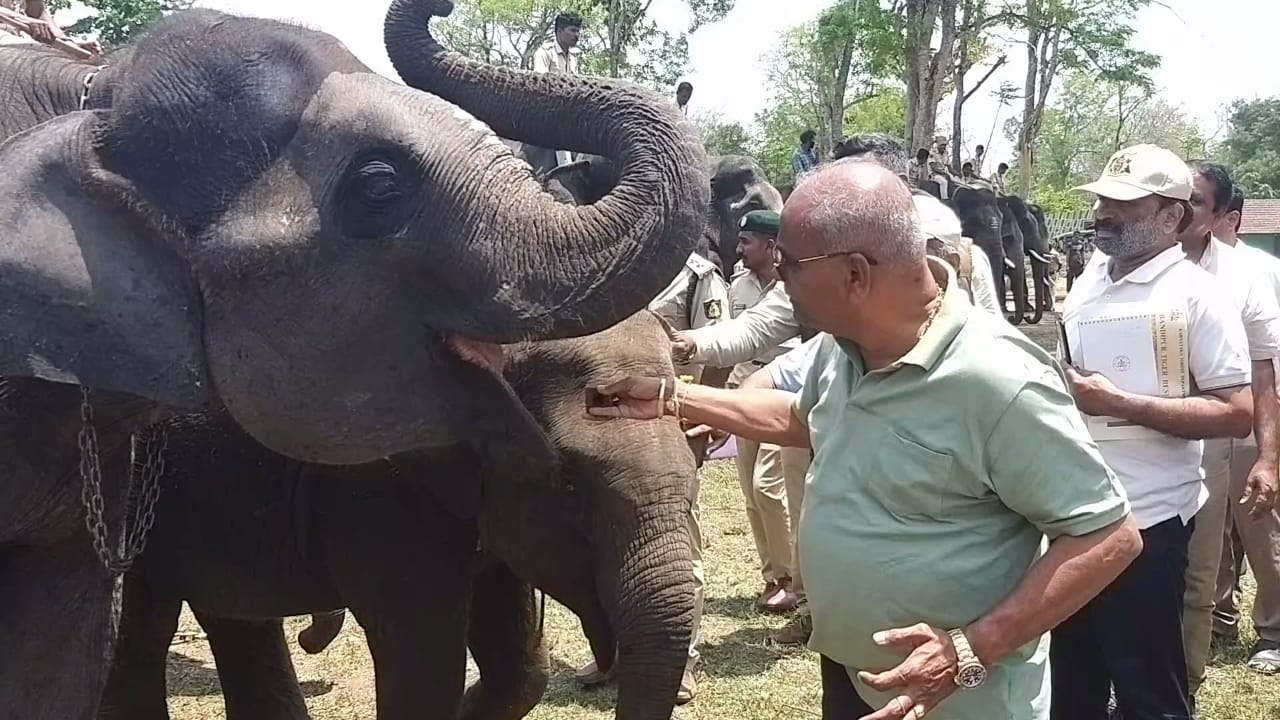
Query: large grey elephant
point(248, 220)
point(245, 535)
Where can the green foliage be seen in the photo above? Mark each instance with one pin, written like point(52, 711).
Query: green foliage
point(620, 38)
point(116, 22)
point(1251, 149)
point(1090, 119)
point(724, 138)
point(885, 112)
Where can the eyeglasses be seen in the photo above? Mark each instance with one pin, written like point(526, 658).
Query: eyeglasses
point(786, 266)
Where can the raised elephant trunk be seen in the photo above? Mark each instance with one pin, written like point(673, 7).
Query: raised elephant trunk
point(630, 243)
point(652, 611)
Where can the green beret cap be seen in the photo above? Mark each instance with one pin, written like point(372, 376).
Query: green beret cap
point(765, 222)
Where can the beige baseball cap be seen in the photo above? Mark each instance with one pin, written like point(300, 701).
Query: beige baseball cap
point(1141, 170)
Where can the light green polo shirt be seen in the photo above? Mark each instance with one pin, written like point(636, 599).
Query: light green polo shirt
point(933, 485)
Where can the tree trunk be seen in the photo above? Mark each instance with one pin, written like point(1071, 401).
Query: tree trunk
point(926, 69)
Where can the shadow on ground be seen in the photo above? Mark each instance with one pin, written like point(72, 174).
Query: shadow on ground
point(564, 690)
point(188, 677)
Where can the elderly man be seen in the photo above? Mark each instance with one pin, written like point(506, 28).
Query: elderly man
point(1254, 461)
point(946, 449)
point(1158, 361)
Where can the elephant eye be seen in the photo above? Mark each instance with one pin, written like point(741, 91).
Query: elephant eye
point(374, 197)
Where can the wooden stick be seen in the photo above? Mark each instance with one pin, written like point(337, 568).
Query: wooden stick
point(23, 24)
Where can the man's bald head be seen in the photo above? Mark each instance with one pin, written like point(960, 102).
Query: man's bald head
point(854, 205)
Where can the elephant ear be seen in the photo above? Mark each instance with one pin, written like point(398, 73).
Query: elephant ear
point(90, 293)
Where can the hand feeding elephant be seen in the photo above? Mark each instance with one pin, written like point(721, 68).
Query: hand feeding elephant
point(243, 535)
point(220, 236)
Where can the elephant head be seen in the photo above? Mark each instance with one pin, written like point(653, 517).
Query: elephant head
point(738, 186)
point(981, 221)
point(607, 536)
point(261, 223)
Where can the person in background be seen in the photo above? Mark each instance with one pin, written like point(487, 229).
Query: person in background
point(919, 171)
point(967, 172)
point(1130, 635)
point(998, 179)
point(560, 55)
point(805, 158)
point(979, 154)
point(684, 91)
point(1248, 535)
point(946, 451)
point(764, 469)
point(1254, 461)
point(43, 27)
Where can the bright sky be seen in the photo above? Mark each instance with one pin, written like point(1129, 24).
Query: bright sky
point(1213, 52)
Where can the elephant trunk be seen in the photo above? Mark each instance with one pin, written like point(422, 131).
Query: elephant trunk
point(1039, 277)
point(604, 261)
point(653, 610)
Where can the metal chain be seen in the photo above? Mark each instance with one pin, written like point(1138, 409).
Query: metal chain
point(141, 497)
point(88, 80)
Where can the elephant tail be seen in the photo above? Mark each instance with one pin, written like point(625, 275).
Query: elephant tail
point(323, 629)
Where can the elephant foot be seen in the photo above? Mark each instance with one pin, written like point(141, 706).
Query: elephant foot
point(513, 703)
point(323, 629)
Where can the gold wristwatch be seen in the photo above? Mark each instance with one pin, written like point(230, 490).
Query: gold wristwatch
point(970, 674)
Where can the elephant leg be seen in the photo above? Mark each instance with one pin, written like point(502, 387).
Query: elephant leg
point(57, 628)
point(405, 572)
point(505, 639)
point(254, 668)
point(323, 629)
point(136, 687)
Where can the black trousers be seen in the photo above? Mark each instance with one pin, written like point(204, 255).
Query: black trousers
point(840, 699)
point(1129, 636)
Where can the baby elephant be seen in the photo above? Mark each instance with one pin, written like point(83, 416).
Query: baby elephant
point(246, 536)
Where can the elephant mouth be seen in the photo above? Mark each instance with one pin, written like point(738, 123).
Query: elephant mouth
point(487, 356)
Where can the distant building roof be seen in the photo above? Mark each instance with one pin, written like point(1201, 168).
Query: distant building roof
point(1260, 217)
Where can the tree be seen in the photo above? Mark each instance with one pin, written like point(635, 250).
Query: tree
point(927, 69)
point(723, 138)
point(971, 48)
point(116, 22)
point(1088, 120)
point(621, 38)
point(1090, 35)
point(1250, 146)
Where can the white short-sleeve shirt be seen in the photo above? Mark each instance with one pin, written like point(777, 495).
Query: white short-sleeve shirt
point(1162, 474)
point(1253, 294)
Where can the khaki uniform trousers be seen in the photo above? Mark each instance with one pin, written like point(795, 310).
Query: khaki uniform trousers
point(1260, 542)
point(694, 524)
point(1203, 558)
point(772, 480)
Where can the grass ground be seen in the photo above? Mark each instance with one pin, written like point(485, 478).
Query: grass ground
point(742, 675)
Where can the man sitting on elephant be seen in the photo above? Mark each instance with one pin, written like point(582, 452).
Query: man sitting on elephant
point(43, 28)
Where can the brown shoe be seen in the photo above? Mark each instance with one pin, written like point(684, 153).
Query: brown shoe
point(771, 588)
point(796, 632)
point(688, 688)
point(782, 601)
point(591, 676)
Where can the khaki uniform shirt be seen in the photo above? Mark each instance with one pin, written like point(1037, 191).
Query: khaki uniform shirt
point(706, 304)
point(549, 58)
point(934, 484)
point(746, 291)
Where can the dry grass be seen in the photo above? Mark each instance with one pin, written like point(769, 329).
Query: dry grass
point(742, 677)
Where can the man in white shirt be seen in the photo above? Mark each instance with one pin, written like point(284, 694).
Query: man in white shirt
point(1249, 533)
point(1257, 462)
point(1149, 416)
point(43, 27)
point(561, 55)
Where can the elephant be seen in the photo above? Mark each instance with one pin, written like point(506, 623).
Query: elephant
point(1035, 245)
point(1048, 254)
point(245, 219)
point(1015, 264)
point(245, 535)
point(982, 221)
